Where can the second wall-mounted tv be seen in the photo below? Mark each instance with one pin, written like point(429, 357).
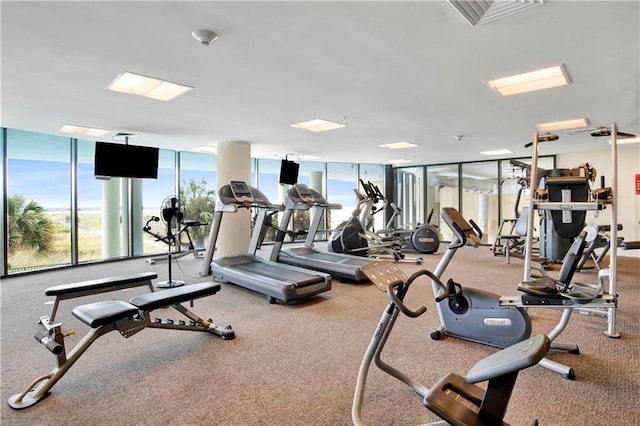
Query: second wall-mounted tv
point(289, 172)
point(132, 161)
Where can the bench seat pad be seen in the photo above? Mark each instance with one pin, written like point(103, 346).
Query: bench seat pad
point(101, 313)
point(103, 283)
point(171, 296)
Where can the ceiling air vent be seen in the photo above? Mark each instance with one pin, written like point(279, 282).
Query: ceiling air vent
point(482, 11)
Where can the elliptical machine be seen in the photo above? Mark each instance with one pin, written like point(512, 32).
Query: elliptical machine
point(422, 238)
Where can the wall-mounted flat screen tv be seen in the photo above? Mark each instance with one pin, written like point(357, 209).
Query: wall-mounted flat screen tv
point(289, 172)
point(119, 160)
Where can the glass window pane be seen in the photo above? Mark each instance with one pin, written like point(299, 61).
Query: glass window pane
point(409, 196)
point(154, 193)
point(198, 185)
point(39, 202)
point(480, 197)
point(374, 174)
point(268, 176)
point(101, 204)
point(342, 179)
point(442, 191)
point(311, 173)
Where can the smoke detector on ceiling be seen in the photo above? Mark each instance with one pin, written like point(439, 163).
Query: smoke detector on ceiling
point(204, 37)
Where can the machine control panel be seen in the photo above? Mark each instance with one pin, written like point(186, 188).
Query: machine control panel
point(241, 191)
point(304, 193)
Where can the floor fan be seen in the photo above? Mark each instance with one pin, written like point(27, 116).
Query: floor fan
point(172, 217)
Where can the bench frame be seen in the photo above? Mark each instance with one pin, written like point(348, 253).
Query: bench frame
point(129, 318)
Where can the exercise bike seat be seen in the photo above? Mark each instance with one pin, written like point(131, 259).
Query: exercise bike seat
point(459, 401)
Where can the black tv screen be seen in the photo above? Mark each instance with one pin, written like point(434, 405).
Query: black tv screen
point(289, 172)
point(133, 161)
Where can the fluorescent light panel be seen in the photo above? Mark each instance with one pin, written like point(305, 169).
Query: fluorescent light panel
point(497, 152)
point(400, 161)
point(318, 125)
point(567, 124)
point(149, 87)
point(531, 81)
point(207, 149)
point(306, 157)
point(398, 145)
point(79, 130)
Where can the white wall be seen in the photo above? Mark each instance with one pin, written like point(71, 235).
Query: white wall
point(628, 201)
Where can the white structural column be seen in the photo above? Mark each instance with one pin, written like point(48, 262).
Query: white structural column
point(137, 216)
point(111, 218)
point(234, 163)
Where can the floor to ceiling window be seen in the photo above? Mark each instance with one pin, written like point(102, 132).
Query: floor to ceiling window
point(198, 188)
point(442, 191)
point(410, 201)
point(156, 194)
point(38, 201)
point(480, 196)
point(342, 179)
point(102, 233)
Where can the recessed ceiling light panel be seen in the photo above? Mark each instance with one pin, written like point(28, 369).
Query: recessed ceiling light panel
point(561, 125)
point(531, 81)
point(306, 157)
point(398, 145)
point(149, 87)
point(80, 130)
point(206, 149)
point(497, 152)
point(318, 125)
point(399, 161)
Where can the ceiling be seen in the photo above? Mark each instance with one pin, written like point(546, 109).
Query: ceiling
point(391, 71)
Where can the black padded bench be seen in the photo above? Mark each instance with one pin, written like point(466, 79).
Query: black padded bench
point(128, 318)
point(102, 285)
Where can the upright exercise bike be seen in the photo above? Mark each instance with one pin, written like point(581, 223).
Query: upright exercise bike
point(470, 313)
point(455, 399)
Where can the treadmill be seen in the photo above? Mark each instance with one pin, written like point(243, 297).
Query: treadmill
point(275, 280)
point(343, 266)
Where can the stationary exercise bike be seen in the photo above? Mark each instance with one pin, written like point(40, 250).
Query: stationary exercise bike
point(455, 399)
point(470, 313)
point(484, 317)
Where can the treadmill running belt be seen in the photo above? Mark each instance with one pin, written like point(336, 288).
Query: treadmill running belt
point(339, 259)
point(299, 279)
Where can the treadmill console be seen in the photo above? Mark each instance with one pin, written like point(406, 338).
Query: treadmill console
point(241, 191)
point(304, 193)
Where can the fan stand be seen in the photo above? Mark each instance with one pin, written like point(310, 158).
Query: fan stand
point(169, 214)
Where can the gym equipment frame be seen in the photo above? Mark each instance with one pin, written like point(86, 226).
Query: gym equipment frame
point(128, 318)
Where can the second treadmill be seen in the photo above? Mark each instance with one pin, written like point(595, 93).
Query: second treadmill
point(344, 266)
point(275, 280)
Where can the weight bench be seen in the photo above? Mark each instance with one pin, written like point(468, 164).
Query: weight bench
point(128, 318)
point(102, 285)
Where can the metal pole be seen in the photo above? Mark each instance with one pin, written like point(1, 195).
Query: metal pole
point(613, 242)
point(533, 184)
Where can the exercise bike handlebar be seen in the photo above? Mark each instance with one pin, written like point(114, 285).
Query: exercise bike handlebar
point(400, 304)
point(397, 296)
